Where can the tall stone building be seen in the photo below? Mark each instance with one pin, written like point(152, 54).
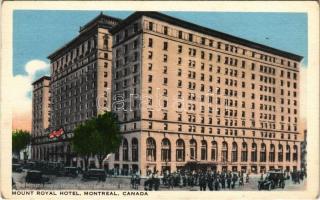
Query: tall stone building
point(40, 115)
point(80, 85)
point(187, 94)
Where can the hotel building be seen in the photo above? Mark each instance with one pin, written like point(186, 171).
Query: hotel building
point(40, 115)
point(80, 85)
point(189, 94)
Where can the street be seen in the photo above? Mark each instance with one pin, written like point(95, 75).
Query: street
point(123, 183)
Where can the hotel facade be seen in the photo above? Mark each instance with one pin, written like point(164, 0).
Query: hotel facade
point(80, 78)
point(185, 94)
point(192, 94)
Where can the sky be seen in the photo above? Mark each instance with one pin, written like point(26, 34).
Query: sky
point(36, 34)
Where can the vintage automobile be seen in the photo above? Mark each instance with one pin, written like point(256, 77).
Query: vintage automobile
point(94, 174)
point(35, 176)
point(30, 165)
point(69, 171)
point(274, 179)
point(17, 168)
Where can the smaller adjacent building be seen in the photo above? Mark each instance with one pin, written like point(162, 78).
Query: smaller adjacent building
point(40, 114)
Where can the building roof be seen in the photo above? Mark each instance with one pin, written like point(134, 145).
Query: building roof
point(204, 30)
point(101, 20)
point(42, 79)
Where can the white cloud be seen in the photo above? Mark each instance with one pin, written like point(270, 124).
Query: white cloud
point(35, 65)
point(22, 87)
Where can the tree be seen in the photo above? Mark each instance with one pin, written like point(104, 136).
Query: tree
point(20, 140)
point(98, 136)
point(107, 135)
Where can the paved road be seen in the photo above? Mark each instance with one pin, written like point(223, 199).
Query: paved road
point(121, 183)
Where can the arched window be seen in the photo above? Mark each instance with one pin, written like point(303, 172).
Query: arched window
point(263, 153)
point(135, 148)
point(180, 150)
point(280, 153)
point(165, 150)
point(151, 149)
point(295, 153)
point(193, 149)
point(214, 151)
point(224, 152)
point(272, 153)
point(234, 155)
point(288, 152)
point(125, 155)
point(203, 150)
point(244, 152)
point(116, 155)
point(254, 152)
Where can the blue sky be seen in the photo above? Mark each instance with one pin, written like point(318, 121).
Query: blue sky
point(38, 33)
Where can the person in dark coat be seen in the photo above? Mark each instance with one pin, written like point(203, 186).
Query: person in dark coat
point(202, 182)
point(210, 182)
point(223, 181)
point(217, 183)
point(229, 180)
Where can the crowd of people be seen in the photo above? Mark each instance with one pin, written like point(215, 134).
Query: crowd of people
point(204, 179)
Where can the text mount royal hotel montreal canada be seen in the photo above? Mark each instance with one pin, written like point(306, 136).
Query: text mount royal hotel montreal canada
point(189, 95)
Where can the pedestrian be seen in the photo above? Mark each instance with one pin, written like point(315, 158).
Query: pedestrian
point(210, 182)
point(241, 181)
point(229, 180)
point(216, 184)
point(223, 181)
point(247, 178)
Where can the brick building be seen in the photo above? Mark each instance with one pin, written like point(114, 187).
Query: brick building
point(192, 94)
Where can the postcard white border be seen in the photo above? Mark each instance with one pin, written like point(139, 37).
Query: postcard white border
point(311, 8)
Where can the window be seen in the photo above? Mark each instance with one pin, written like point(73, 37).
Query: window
point(272, 153)
point(180, 150)
point(263, 153)
point(165, 30)
point(224, 152)
point(165, 150)
point(165, 46)
point(190, 37)
point(203, 150)
point(134, 148)
point(180, 34)
point(193, 149)
point(151, 149)
point(165, 58)
point(179, 49)
point(234, 155)
point(150, 26)
point(244, 152)
point(288, 153)
point(150, 78)
point(203, 41)
point(125, 152)
point(254, 152)
point(214, 151)
point(150, 43)
point(150, 54)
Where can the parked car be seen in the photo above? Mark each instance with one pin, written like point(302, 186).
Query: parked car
point(69, 171)
point(94, 174)
point(17, 168)
point(30, 165)
point(273, 180)
point(35, 176)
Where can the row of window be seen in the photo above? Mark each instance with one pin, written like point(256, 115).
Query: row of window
point(190, 37)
